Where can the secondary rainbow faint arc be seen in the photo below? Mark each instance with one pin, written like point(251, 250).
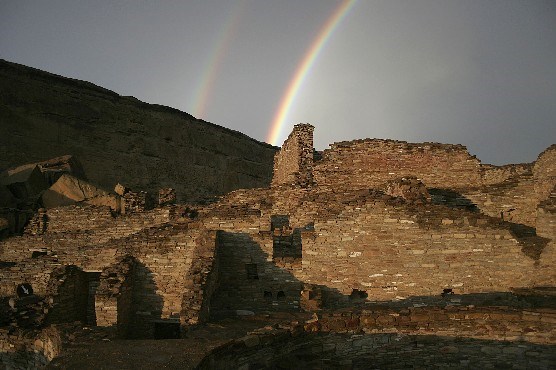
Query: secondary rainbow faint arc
point(199, 105)
point(306, 63)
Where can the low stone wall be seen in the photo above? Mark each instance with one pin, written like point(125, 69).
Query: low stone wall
point(32, 350)
point(463, 337)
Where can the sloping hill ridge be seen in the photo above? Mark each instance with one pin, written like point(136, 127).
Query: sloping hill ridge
point(121, 139)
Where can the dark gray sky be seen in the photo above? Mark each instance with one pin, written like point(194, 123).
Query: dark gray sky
point(476, 72)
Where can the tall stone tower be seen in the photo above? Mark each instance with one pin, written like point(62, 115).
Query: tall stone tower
point(293, 164)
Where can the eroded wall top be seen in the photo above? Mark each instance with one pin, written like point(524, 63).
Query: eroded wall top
point(371, 162)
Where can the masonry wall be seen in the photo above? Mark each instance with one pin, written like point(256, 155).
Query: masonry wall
point(546, 217)
point(249, 281)
point(35, 352)
point(372, 162)
point(164, 254)
point(201, 280)
point(491, 174)
point(363, 241)
point(393, 254)
point(509, 192)
point(511, 200)
point(35, 272)
point(293, 164)
point(544, 172)
point(67, 230)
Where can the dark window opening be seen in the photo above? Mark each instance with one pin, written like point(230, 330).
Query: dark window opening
point(446, 291)
point(287, 246)
point(279, 222)
point(281, 295)
point(251, 270)
point(358, 294)
point(267, 294)
point(37, 254)
point(166, 330)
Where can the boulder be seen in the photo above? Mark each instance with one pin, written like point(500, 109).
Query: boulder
point(56, 167)
point(69, 189)
point(24, 182)
point(7, 200)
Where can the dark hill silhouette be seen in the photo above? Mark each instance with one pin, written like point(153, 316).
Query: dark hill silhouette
point(121, 139)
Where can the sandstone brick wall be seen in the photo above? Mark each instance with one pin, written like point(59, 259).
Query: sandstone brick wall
point(513, 192)
point(365, 241)
point(35, 272)
point(358, 240)
point(387, 253)
point(201, 280)
point(497, 174)
point(544, 172)
point(512, 200)
point(249, 281)
point(293, 164)
point(164, 258)
point(371, 162)
point(546, 217)
point(163, 253)
point(65, 230)
point(76, 218)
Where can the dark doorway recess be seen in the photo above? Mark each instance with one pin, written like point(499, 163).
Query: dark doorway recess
point(93, 280)
point(166, 330)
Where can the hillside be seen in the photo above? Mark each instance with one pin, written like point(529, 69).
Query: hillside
point(120, 139)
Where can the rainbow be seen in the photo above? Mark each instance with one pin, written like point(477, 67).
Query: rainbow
point(302, 71)
point(199, 105)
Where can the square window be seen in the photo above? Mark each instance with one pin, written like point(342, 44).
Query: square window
point(251, 270)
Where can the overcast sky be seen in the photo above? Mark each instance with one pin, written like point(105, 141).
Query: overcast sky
point(476, 72)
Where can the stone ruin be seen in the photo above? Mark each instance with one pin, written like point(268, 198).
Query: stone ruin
point(373, 251)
